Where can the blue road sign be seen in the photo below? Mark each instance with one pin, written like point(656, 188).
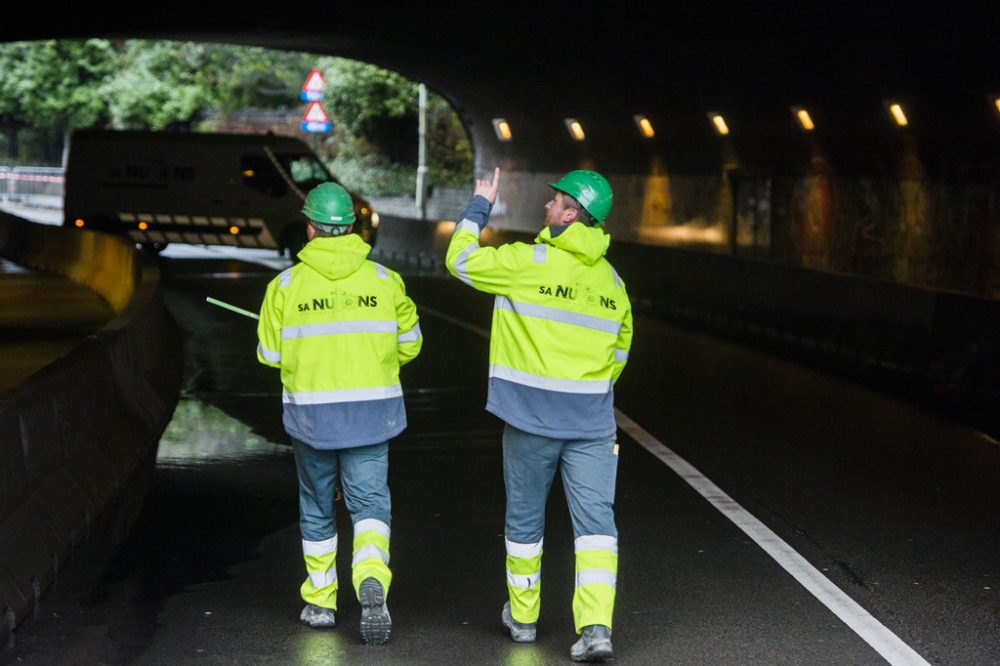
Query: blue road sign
point(315, 126)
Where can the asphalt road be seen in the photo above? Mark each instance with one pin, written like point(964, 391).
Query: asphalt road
point(894, 508)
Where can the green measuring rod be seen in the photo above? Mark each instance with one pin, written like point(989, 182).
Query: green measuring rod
point(233, 308)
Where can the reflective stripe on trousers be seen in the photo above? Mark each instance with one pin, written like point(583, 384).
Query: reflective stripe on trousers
point(362, 472)
point(596, 580)
point(524, 580)
point(320, 588)
point(588, 469)
point(371, 553)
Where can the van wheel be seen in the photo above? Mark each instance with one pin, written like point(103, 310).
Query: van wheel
point(293, 240)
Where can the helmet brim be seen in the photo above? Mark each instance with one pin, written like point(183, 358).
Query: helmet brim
point(598, 222)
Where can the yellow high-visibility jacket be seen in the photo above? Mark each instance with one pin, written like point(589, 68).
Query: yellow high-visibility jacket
point(339, 327)
point(562, 326)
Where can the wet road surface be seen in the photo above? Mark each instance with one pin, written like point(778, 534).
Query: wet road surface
point(895, 507)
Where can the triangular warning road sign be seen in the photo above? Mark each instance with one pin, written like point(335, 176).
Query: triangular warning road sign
point(315, 114)
point(314, 82)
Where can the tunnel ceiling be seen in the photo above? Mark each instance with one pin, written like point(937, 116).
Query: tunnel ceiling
point(537, 64)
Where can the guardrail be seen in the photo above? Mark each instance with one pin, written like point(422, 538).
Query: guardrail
point(442, 203)
point(78, 438)
point(41, 187)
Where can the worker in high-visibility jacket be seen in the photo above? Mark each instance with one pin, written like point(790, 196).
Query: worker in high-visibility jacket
point(339, 326)
point(561, 332)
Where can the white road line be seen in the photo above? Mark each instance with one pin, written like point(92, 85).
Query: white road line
point(864, 624)
point(873, 632)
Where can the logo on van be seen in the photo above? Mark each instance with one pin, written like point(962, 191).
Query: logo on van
point(150, 173)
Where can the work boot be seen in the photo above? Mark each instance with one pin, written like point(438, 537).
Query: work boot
point(375, 621)
point(519, 632)
point(318, 617)
point(594, 644)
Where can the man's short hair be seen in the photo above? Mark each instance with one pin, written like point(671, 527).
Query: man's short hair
point(581, 213)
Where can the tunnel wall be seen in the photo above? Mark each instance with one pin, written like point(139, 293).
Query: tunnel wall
point(78, 438)
point(102, 263)
point(935, 346)
point(923, 230)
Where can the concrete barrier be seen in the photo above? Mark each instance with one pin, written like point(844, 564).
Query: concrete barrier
point(107, 264)
point(939, 347)
point(78, 439)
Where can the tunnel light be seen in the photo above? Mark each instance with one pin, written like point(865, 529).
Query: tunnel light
point(79, 224)
point(234, 230)
point(719, 123)
point(898, 115)
point(502, 128)
point(805, 120)
point(575, 129)
point(248, 173)
point(996, 102)
point(645, 126)
point(143, 226)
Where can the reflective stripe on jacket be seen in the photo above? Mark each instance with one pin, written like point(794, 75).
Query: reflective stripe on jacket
point(561, 332)
point(339, 327)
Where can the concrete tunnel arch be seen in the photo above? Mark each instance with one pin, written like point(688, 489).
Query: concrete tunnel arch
point(674, 64)
point(536, 65)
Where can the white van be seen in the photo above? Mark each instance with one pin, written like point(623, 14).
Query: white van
point(244, 190)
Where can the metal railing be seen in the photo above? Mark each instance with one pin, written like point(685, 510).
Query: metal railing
point(39, 187)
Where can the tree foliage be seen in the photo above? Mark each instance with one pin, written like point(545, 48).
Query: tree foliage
point(362, 96)
point(156, 85)
point(376, 112)
point(250, 77)
point(54, 85)
point(58, 86)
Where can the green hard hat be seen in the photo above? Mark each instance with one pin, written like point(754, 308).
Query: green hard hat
point(330, 204)
point(591, 189)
